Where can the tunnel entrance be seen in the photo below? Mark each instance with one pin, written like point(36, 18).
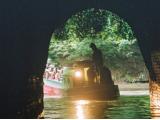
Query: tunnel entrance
point(121, 54)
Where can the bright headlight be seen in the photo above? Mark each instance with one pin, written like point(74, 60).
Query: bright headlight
point(78, 74)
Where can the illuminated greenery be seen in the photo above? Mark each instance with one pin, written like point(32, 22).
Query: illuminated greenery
point(109, 32)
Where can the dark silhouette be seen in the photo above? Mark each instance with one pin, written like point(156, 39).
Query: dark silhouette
point(97, 58)
point(106, 76)
point(102, 71)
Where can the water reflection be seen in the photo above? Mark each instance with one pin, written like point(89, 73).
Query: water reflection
point(80, 108)
point(126, 107)
point(85, 109)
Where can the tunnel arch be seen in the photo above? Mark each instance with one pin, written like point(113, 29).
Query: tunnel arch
point(78, 12)
point(125, 10)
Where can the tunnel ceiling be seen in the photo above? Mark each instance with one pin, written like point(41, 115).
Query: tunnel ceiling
point(32, 16)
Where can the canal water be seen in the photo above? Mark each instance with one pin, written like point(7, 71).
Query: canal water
point(125, 107)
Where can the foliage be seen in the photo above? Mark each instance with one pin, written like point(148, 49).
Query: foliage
point(109, 32)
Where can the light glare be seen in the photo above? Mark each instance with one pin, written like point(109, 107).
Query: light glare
point(78, 74)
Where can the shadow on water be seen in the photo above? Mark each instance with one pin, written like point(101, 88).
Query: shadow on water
point(126, 107)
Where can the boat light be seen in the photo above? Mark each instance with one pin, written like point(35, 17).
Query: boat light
point(78, 74)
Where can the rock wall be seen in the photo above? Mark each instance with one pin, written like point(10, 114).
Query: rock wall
point(155, 85)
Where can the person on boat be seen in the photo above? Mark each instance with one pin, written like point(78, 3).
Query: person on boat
point(47, 72)
point(97, 59)
point(57, 76)
point(51, 74)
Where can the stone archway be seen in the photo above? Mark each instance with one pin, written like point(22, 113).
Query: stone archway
point(26, 30)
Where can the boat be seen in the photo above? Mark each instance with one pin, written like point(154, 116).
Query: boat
point(52, 87)
point(94, 92)
point(78, 85)
point(82, 88)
